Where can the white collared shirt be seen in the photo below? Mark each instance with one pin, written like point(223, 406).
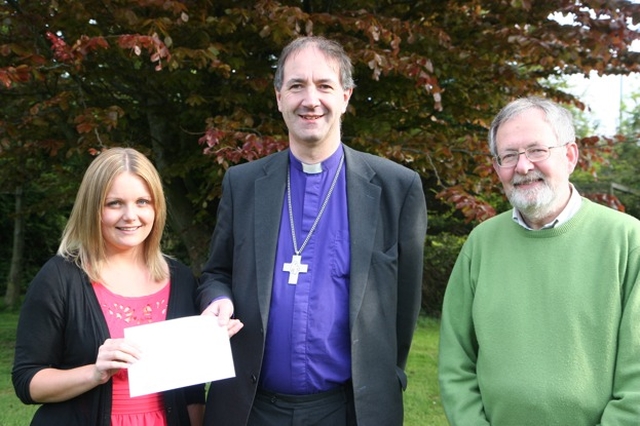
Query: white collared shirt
point(572, 207)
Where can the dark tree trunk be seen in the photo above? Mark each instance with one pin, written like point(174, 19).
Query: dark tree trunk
point(12, 295)
point(180, 209)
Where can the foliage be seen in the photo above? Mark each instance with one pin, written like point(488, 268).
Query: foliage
point(631, 117)
point(613, 181)
point(179, 79)
point(41, 235)
point(620, 176)
point(440, 254)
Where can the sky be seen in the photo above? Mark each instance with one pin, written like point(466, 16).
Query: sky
point(603, 95)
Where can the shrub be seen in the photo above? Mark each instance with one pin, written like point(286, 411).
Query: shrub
point(440, 254)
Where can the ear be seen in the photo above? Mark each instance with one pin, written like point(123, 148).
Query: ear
point(494, 163)
point(278, 96)
point(573, 155)
point(346, 96)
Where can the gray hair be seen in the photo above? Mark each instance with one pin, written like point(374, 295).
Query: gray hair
point(331, 49)
point(559, 118)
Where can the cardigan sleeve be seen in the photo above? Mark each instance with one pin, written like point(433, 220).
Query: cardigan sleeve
point(40, 332)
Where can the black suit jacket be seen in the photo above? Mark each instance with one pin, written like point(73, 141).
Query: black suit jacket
point(387, 224)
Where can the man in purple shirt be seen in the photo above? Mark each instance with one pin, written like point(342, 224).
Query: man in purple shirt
point(317, 254)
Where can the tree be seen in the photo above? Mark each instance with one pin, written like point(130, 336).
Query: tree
point(177, 79)
point(620, 176)
point(15, 269)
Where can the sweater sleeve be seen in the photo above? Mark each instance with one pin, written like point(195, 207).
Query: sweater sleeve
point(458, 351)
point(624, 407)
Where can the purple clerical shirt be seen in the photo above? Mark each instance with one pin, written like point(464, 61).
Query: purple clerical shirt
point(307, 343)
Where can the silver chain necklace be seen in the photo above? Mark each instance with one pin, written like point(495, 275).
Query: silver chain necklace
point(296, 266)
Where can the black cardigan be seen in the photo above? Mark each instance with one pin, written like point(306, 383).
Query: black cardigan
point(61, 325)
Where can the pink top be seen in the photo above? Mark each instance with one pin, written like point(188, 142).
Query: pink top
point(122, 312)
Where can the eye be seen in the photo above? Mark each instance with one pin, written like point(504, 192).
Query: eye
point(508, 157)
point(144, 202)
point(537, 153)
point(113, 203)
point(537, 150)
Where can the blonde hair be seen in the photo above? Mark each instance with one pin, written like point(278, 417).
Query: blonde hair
point(82, 240)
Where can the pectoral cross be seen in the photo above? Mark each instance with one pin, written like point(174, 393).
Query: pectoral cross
point(294, 268)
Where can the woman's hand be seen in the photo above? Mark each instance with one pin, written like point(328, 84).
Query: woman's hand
point(113, 355)
point(56, 385)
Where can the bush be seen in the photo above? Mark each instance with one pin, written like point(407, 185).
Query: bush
point(440, 254)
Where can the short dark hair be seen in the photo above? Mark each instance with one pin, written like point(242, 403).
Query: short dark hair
point(330, 48)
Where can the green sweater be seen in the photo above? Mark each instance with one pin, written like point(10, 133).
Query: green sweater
point(543, 327)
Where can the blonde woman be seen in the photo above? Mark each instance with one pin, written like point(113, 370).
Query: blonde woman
point(109, 274)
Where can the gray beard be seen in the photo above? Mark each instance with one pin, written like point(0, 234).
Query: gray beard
point(534, 204)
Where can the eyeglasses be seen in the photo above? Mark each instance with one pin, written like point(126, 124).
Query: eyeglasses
point(533, 154)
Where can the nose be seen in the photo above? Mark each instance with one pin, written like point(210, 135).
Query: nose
point(129, 214)
point(311, 98)
point(524, 165)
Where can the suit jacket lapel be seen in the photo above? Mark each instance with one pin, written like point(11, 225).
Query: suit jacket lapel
point(364, 200)
point(269, 198)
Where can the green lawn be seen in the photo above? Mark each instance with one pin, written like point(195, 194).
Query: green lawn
point(13, 412)
point(422, 400)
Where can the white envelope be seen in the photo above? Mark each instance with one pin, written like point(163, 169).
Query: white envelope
point(179, 352)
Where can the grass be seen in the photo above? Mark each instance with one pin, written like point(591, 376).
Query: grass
point(422, 400)
point(13, 412)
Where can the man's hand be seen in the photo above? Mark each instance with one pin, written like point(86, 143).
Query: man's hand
point(223, 310)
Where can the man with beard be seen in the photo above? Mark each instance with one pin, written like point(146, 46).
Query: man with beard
point(541, 317)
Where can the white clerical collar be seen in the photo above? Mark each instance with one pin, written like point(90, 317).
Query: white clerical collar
point(316, 168)
point(572, 207)
point(311, 169)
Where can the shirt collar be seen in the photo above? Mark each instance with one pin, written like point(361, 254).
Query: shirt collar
point(572, 207)
point(328, 164)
